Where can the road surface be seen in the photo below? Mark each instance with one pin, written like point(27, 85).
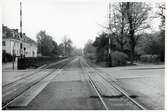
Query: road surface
point(67, 88)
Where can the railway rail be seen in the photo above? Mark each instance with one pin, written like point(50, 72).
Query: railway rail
point(21, 89)
point(90, 71)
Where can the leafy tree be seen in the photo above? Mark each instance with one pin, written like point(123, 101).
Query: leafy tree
point(89, 47)
point(101, 44)
point(150, 44)
point(61, 49)
point(55, 49)
point(89, 50)
point(76, 52)
point(45, 43)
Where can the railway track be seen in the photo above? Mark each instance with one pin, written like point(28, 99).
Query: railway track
point(11, 91)
point(40, 69)
point(23, 77)
point(104, 78)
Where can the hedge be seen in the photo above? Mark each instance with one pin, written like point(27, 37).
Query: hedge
point(150, 58)
point(29, 62)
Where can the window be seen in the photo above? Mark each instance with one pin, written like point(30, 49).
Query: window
point(21, 45)
point(3, 43)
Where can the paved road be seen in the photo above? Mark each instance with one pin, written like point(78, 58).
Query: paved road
point(145, 81)
point(68, 89)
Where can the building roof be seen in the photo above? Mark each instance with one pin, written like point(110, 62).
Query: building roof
point(8, 33)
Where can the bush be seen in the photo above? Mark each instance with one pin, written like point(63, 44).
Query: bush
point(119, 58)
point(6, 57)
point(149, 58)
point(26, 62)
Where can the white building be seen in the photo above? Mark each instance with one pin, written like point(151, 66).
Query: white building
point(12, 43)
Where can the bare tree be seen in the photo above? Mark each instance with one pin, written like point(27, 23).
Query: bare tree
point(65, 45)
point(161, 13)
point(120, 24)
point(69, 47)
point(67, 42)
point(136, 16)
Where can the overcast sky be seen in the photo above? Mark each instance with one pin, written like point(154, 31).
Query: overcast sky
point(78, 19)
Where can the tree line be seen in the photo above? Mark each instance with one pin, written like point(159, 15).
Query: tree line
point(127, 30)
point(49, 47)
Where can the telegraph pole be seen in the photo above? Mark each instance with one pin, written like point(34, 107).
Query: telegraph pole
point(20, 36)
point(21, 27)
point(109, 38)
